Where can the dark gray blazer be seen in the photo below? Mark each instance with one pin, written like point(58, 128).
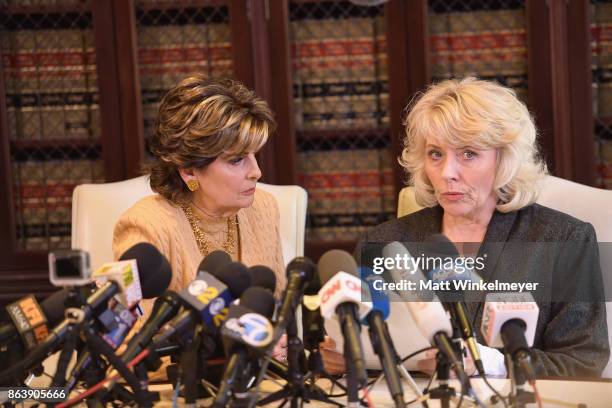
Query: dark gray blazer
point(571, 335)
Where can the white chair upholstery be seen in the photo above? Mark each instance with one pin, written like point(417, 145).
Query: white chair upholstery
point(586, 203)
point(97, 207)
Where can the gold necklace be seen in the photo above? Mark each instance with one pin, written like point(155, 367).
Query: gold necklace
point(204, 245)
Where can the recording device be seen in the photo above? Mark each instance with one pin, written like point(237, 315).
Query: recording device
point(49, 310)
point(299, 272)
point(394, 250)
point(17, 339)
point(29, 319)
point(210, 295)
point(69, 267)
point(152, 280)
point(341, 297)
point(399, 320)
point(246, 334)
point(431, 319)
point(125, 273)
point(165, 308)
point(207, 299)
point(509, 321)
point(154, 271)
point(443, 247)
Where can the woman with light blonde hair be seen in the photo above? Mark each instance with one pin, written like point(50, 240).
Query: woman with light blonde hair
point(482, 115)
point(471, 155)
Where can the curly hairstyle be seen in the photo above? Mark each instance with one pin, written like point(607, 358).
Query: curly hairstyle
point(199, 120)
point(482, 114)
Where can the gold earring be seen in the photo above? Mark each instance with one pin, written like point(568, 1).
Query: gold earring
point(193, 185)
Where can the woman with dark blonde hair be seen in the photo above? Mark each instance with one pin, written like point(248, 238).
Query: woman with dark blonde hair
point(204, 172)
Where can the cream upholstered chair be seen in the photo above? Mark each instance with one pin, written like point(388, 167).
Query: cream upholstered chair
point(97, 207)
point(586, 203)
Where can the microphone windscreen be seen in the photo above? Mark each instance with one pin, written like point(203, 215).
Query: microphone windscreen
point(235, 276)
point(153, 269)
point(263, 277)
point(214, 261)
point(304, 265)
point(53, 307)
point(334, 261)
point(259, 300)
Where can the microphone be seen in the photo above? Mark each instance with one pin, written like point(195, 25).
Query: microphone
point(95, 304)
point(214, 261)
point(211, 294)
point(312, 322)
point(117, 322)
point(29, 325)
point(246, 334)
point(167, 306)
point(380, 337)
point(124, 273)
point(396, 250)
point(431, 319)
point(443, 246)
point(207, 299)
point(299, 272)
point(31, 320)
point(509, 320)
point(154, 273)
point(341, 295)
point(263, 277)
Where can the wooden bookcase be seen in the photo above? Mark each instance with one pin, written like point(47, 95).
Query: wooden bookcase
point(80, 81)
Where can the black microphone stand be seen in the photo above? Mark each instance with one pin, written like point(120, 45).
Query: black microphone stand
point(352, 386)
point(443, 392)
point(519, 397)
point(140, 393)
point(191, 349)
point(316, 370)
point(72, 337)
point(295, 389)
point(313, 335)
point(190, 370)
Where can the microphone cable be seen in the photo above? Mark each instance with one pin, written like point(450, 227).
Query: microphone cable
point(497, 393)
point(366, 397)
point(78, 398)
point(536, 393)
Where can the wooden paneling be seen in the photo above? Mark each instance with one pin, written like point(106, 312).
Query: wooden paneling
point(132, 133)
point(107, 65)
point(7, 216)
point(580, 92)
point(408, 61)
point(560, 86)
point(241, 42)
point(284, 139)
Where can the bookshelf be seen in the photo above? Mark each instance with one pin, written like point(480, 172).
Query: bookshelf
point(175, 40)
point(341, 108)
